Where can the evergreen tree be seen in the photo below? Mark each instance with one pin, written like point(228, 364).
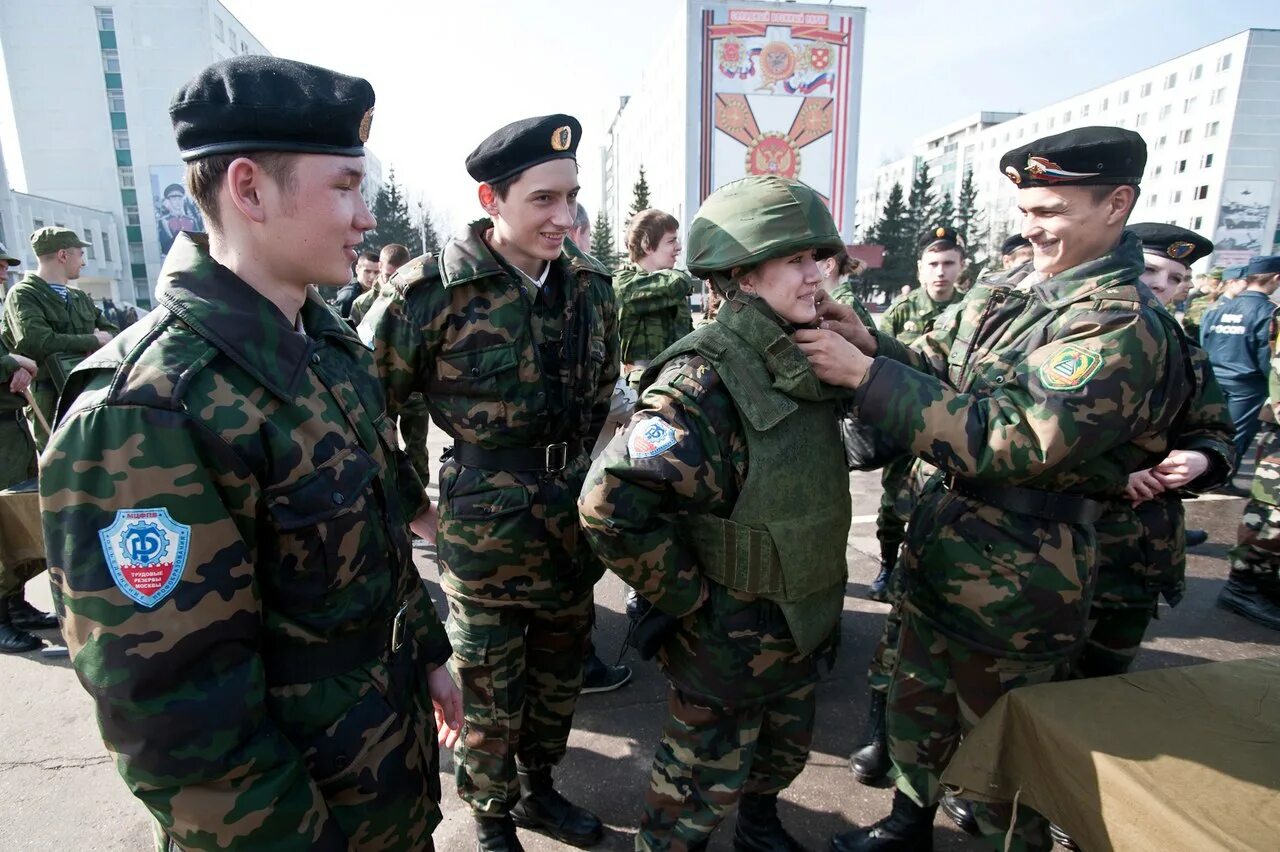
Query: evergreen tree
point(894, 232)
point(971, 223)
point(602, 242)
point(428, 239)
point(640, 195)
point(395, 225)
point(945, 214)
point(921, 202)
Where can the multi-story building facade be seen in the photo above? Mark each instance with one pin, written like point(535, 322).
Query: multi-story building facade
point(1211, 119)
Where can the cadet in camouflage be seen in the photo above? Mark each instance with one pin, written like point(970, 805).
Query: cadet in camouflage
point(51, 323)
point(1035, 398)
point(653, 296)
point(1253, 586)
point(511, 336)
point(708, 459)
point(227, 514)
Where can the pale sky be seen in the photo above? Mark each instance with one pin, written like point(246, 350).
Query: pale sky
point(449, 73)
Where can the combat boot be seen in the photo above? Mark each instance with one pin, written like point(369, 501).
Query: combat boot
point(879, 589)
point(1245, 594)
point(496, 834)
point(759, 829)
point(961, 813)
point(907, 828)
point(543, 810)
point(26, 617)
point(870, 762)
point(14, 640)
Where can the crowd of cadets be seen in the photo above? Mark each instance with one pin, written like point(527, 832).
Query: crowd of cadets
point(228, 511)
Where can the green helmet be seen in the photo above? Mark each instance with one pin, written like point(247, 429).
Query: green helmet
point(757, 218)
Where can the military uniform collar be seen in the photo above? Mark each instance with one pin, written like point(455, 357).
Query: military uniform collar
point(1122, 266)
point(467, 257)
point(241, 322)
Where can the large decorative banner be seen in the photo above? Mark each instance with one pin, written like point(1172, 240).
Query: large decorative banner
point(777, 89)
point(175, 211)
point(1242, 221)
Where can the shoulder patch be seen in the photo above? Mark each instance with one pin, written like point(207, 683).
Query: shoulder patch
point(1069, 368)
point(414, 272)
point(651, 437)
point(146, 552)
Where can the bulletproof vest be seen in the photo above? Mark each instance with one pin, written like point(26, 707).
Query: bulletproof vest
point(785, 538)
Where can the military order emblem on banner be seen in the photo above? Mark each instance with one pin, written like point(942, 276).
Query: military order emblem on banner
point(1069, 368)
point(146, 551)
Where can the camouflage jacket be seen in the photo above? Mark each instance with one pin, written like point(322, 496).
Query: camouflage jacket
point(1064, 386)
point(9, 401)
point(914, 314)
point(843, 293)
point(38, 323)
point(1196, 306)
point(221, 500)
point(653, 310)
point(503, 363)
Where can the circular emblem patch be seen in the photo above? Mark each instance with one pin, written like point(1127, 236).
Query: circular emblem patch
point(1014, 175)
point(1180, 249)
point(562, 138)
point(773, 154)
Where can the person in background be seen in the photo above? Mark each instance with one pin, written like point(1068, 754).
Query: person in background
point(366, 278)
point(653, 296)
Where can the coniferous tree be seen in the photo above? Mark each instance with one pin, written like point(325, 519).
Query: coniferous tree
point(894, 232)
point(395, 225)
point(945, 213)
point(972, 225)
point(640, 195)
point(602, 242)
point(921, 202)
point(428, 239)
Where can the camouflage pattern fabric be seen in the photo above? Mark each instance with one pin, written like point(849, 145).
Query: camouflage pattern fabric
point(1193, 316)
point(653, 311)
point(520, 672)
point(1257, 549)
point(941, 689)
point(263, 465)
point(504, 364)
point(415, 427)
point(361, 304)
point(1115, 637)
point(844, 294)
point(17, 464)
point(40, 324)
point(709, 756)
point(914, 314)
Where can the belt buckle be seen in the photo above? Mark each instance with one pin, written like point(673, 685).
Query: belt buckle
point(397, 627)
point(557, 456)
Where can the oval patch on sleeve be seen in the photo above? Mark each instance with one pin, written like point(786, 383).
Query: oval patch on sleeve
point(1069, 368)
point(146, 551)
point(650, 437)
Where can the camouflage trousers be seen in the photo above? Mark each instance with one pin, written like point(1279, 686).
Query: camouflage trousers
point(520, 671)
point(17, 463)
point(896, 502)
point(709, 756)
point(940, 689)
point(1257, 549)
point(415, 422)
point(885, 657)
point(1113, 639)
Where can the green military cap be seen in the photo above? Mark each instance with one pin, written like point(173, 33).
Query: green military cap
point(51, 239)
point(7, 258)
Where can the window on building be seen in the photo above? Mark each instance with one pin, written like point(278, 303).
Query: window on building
point(111, 60)
point(1066, 116)
point(1196, 72)
point(1157, 172)
point(1106, 104)
point(115, 100)
point(126, 177)
point(1202, 192)
point(36, 224)
point(1211, 129)
point(1152, 199)
point(136, 254)
point(1164, 111)
point(1224, 62)
point(1197, 223)
point(1160, 142)
point(1180, 167)
point(218, 32)
point(244, 48)
point(1124, 97)
point(131, 216)
point(1146, 90)
point(1206, 161)
point(88, 250)
point(1050, 123)
point(1177, 196)
point(1188, 105)
point(231, 39)
point(106, 19)
point(1142, 119)
point(1218, 97)
point(121, 139)
point(106, 247)
point(1184, 136)
point(1171, 81)
point(1084, 111)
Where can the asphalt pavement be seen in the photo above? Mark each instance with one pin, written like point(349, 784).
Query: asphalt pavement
point(61, 791)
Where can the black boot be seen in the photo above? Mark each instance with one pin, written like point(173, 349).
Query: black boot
point(544, 810)
point(870, 762)
point(961, 813)
point(1195, 538)
point(907, 828)
point(26, 617)
point(1245, 594)
point(496, 834)
point(759, 829)
point(879, 589)
point(14, 640)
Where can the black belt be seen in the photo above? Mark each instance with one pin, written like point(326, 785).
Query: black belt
point(552, 458)
point(1048, 505)
point(290, 663)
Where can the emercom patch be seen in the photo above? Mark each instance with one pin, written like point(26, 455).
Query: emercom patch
point(1069, 368)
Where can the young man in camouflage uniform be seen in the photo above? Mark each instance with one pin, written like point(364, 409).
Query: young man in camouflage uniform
point(511, 335)
point(1035, 399)
point(51, 323)
point(711, 458)
point(227, 513)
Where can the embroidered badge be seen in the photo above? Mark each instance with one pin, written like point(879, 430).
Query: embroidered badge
point(366, 124)
point(1069, 368)
point(1013, 174)
point(562, 138)
point(1180, 249)
point(650, 438)
point(146, 551)
point(1050, 172)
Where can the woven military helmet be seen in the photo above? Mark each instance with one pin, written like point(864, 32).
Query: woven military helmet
point(757, 218)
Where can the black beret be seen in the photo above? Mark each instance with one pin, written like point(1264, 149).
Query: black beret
point(1263, 265)
point(940, 234)
point(1012, 243)
point(261, 103)
point(1173, 242)
point(1087, 156)
point(524, 144)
